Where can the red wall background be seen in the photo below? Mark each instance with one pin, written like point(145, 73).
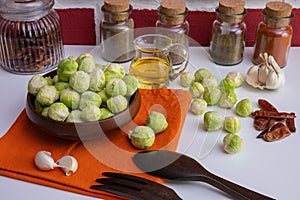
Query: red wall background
point(79, 25)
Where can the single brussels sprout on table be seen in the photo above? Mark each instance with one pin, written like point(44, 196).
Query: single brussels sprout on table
point(114, 70)
point(80, 81)
point(66, 68)
point(58, 111)
point(47, 95)
point(97, 80)
point(157, 121)
point(142, 137)
point(236, 77)
point(116, 87)
point(213, 120)
point(186, 79)
point(201, 73)
point(86, 62)
point(36, 83)
point(70, 98)
point(91, 113)
point(132, 84)
point(227, 99)
point(89, 98)
point(212, 95)
point(105, 113)
point(74, 116)
point(232, 143)
point(198, 106)
point(227, 85)
point(196, 89)
point(117, 104)
point(244, 108)
point(232, 124)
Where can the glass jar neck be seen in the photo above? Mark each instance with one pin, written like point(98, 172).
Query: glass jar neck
point(276, 22)
point(232, 19)
point(116, 17)
point(172, 19)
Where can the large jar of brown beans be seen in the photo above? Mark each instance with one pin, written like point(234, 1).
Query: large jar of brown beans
point(30, 36)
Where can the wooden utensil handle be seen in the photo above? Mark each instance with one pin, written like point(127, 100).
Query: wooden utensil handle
point(236, 191)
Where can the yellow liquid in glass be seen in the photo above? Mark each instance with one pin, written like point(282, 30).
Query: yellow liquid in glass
point(151, 71)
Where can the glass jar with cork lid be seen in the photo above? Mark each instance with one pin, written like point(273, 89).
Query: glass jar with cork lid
point(228, 33)
point(117, 31)
point(274, 33)
point(172, 15)
point(30, 36)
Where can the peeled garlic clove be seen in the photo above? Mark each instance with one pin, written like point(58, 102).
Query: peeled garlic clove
point(68, 164)
point(44, 161)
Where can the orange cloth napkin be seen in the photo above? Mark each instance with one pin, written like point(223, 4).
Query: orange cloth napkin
point(23, 140)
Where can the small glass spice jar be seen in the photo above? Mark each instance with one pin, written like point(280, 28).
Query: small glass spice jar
point(228, 33)
point(274, 33)
point(117, 31)
point(172, 15)
point(30, 36)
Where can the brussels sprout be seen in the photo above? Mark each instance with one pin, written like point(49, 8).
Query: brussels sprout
point(227, 85)
point(212, 96)
point(47, 95)
point(186, 79)
point(132, 84)
point(213, 120)
point(45, 112)
point(201, 73)
point(49, 80)
point(232, 143)
point(116, 87)
point(86, 62)
point(227, 99)
point(198, 106)
point(114, 70)
point(142, 137)
point(117, 104)
point(103, 96)
point(244, 108)
point(210, 82)
point(58, 111)
point(231, 124)
point(36, 83)
point(97, 80)
point(65, 69)
point(236, 77)
point(157, 121)
point(70, 98)
point(105, 113)
point(196, 89)
point(80, 81)
point(89, 98)
point(38, 107)
point(74, 116)
point(91, 113)
point(61, 85)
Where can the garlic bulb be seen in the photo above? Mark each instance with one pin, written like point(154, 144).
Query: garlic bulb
point(267, 75)
point(44, 161)
point(68, 164)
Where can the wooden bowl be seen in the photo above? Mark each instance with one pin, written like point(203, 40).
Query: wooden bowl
point(82, 130)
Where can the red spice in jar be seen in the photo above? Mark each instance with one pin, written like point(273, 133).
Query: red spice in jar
point(274, 33)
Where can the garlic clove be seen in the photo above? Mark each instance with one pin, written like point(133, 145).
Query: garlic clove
point(68, 164)
point(44, 161)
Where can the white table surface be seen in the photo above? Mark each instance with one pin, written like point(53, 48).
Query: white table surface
point(269, 168)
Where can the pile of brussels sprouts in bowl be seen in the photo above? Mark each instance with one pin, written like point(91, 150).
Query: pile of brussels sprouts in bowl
point(82, 94)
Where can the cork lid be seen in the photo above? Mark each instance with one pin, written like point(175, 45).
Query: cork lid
point(116, 5)
point(278, 9)
point(172, 7)
point(231, 6)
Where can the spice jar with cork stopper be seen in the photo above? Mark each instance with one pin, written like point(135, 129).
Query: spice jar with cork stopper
point(228, 33)
point(30, 36)
point(274, 33)
point(172, 20)
point(117, 31)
